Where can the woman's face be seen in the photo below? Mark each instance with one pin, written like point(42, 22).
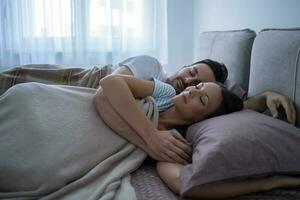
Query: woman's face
point(197, 102)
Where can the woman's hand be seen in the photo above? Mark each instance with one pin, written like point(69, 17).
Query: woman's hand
point(165, 146)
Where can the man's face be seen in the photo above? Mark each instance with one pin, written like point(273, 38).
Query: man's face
point(191, 76)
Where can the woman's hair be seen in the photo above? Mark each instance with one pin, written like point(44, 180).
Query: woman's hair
point(219, 69)
point(230, 103)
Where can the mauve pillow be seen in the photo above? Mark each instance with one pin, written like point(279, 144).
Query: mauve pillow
point(236, 89)
point(239, 145)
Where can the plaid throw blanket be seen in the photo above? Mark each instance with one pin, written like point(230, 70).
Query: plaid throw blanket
point(53, 74)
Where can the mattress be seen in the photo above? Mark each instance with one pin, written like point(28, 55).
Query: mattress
point(148, 186)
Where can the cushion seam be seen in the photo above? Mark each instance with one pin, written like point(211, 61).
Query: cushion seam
point(295, 75)
point(212, 46)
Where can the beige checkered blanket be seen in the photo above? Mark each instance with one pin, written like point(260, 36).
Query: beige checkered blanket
point(53, 74)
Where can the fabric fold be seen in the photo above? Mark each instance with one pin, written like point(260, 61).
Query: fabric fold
point(54, 145)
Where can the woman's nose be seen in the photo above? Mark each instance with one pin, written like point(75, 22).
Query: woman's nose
point(195, 91)
point(190, 81)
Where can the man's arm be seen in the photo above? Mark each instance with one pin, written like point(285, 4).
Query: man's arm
point(116, 123)
point(273, 101)
point(120, 92)
point(257, 103)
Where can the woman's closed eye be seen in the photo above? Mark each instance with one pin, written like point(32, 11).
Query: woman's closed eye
point(204, 99)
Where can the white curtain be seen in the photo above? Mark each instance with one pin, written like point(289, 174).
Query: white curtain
point(81, 32)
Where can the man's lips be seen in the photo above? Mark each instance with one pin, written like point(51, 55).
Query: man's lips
point(184, 94)
point(180, 84)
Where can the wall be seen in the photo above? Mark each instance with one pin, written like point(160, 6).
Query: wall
point(239, 14)
point(180, 33)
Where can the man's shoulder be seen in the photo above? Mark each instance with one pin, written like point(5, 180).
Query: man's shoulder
point(140, 58)
point(145, 66)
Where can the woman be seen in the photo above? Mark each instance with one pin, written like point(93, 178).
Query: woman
point(192, 105)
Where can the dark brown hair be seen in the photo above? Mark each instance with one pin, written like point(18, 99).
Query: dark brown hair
point(219, 69)
point(230, 102)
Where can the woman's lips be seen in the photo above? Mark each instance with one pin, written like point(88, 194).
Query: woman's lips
point(185, 97)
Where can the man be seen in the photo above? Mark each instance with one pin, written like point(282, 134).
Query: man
point(147, 67)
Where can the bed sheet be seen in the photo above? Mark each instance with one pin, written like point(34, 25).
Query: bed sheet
point(148, 186)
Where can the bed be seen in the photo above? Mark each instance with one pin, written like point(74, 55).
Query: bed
point(250, 55)
point(266, 60)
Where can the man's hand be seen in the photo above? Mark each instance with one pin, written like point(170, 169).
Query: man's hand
point(275, 100)
point(165, 146)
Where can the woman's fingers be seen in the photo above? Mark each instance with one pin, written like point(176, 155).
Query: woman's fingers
point(183, 144)
point(180, 150)
point(165, 157)
point(181, 153)
point(171, 153)
point(176, 158)
point(179, 137)
point(185, 147)
point(181, 147)
point(169, 147)
point(160, 156)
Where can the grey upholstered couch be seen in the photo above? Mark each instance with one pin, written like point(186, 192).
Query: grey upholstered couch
point(268, 60)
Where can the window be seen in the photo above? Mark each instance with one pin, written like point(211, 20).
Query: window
point(50, 23)
point(81, 32)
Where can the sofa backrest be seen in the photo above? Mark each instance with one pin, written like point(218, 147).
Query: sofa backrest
point(275, 64)
point(233, 48)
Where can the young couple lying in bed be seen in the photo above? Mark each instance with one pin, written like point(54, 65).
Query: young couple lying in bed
point(195, 96)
